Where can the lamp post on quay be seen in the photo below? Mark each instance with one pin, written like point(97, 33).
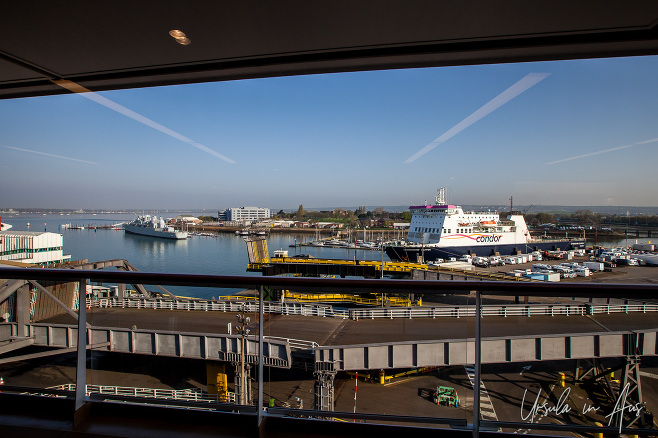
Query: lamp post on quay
point(243, 321)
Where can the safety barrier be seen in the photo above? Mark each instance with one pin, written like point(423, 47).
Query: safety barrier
point(187, 395)
point(293, 308)
point(504, 311)
point(217, 306)
point(623, 308)
point(295, 344)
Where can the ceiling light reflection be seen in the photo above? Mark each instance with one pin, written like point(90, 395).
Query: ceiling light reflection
point(177, 33)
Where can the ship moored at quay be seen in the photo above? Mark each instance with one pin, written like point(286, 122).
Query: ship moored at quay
point(442, 231)
point(153, 226)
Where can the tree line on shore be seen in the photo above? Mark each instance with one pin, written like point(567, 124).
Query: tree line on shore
point(362, 217)
point(588, 217)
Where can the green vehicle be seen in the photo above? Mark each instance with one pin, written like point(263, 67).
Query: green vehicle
point(446, 396)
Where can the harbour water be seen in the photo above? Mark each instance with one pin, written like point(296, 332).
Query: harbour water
point(225, 254)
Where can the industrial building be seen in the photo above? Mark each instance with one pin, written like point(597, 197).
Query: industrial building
point(41, 248)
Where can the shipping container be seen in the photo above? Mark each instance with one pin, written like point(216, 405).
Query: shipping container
point(594, 266)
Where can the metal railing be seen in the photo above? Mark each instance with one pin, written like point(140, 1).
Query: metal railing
point(295, 344)
point(189, 395)
point(426, 287)
point(326, 310)
point(286, 308)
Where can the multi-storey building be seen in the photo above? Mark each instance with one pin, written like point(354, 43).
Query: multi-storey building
point(242, 214)
point(41, 248)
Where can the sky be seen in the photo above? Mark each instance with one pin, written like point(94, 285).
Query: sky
point(581, 132)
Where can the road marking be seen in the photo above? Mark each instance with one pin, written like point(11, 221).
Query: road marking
point(486, 405)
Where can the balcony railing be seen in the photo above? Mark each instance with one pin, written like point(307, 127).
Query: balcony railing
point(643, 300)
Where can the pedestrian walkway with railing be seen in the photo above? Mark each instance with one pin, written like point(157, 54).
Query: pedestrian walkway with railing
point(326, 310)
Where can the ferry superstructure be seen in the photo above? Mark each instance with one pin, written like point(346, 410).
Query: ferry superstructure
point(153, 226)
point(442, 231)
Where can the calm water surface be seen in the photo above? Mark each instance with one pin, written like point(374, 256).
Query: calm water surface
point(225, 254)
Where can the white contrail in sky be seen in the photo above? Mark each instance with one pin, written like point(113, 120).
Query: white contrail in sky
point(84, 92)
point(526, 82)
point(49, 155)
point(604, 151)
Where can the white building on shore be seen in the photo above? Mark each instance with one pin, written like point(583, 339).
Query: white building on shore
point(244, 214)
point(37, 247)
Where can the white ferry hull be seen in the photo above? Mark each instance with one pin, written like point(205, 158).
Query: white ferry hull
point(411, 253)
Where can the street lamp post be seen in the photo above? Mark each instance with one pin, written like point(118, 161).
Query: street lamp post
point(243, 321)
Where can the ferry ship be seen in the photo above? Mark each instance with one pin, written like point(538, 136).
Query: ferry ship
point(442, 231)
point(153, 226)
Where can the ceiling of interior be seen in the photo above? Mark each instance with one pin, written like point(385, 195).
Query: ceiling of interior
point(103, 45)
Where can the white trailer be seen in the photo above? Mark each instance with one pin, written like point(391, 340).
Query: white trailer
point(594, 266)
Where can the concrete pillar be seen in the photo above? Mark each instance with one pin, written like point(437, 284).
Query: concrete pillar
point(23, 309)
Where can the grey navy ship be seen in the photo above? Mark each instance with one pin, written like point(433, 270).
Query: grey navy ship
point(153, 226)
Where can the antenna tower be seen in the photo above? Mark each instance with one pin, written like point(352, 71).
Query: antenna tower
point(441, 197)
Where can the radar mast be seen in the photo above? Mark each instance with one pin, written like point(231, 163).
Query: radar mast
point(441, 197)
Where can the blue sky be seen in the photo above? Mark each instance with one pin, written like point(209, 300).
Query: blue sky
point(586, 133)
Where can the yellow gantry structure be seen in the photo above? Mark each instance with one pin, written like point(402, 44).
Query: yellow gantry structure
point(259, 256)
point(375, 300)
point(387, 266)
